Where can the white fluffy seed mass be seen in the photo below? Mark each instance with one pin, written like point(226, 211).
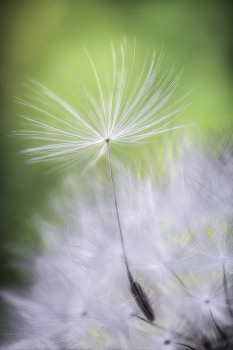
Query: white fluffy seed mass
point(179, 245)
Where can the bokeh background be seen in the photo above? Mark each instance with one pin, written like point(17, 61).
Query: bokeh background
point(43, 40)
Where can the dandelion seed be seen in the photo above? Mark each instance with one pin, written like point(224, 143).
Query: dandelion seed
point(141, 299)
point(126, 116)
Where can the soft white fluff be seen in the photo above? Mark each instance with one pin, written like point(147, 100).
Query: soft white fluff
point(179, 248)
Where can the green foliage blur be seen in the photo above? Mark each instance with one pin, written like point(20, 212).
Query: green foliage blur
point(43, 40)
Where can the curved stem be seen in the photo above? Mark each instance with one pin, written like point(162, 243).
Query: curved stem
point(226, 292)
point(188, 346)
point(220, 331)
point(117, 213)
point(136, 289)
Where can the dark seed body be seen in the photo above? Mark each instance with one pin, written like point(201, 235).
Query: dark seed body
point(142, 300)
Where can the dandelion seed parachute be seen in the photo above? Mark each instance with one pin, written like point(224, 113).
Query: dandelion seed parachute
point(123, 115)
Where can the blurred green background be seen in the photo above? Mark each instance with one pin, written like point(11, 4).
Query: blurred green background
point(44, 40)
